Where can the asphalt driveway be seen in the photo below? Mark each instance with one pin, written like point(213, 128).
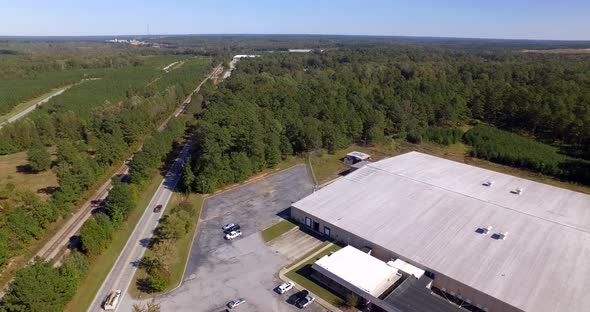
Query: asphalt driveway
point(219, 270)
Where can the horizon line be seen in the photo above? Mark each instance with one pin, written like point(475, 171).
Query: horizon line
point(288, 34)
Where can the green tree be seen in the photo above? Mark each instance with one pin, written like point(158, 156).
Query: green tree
point(149, 307)
point(4, 248)
point(110, 148)
point(95, 234)
point(158, 280)
point(121, 200)
point(164, 252)
point(171, 227)
point(39, 158)
point(39, 288)
point(188, 177)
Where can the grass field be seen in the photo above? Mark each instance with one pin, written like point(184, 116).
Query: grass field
point(182, 249)
point(301, 274)
point(11, 171)
point(101, 265)
point(277, 230)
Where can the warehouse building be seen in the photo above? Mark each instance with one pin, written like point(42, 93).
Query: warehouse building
point(495, 241)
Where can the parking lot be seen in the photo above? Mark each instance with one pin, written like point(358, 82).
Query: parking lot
point(219, 270)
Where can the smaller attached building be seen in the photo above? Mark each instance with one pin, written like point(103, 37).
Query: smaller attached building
point(351, 270)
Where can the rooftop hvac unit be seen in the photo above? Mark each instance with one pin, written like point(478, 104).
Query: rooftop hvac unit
point(488, 183)
point(484, 229)
point(502, 235)
point(517, 191)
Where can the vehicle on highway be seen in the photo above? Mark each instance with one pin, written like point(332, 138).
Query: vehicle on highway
point(285, 287)
point(235, 227)
point(307, 300)
point(227, 226)
point(158, 208)
point(234, 303)
point(110, 304)
point(233, 234)
point(300, 296)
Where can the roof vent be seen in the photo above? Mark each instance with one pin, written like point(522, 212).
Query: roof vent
point(488, 183)
point(500, 235)
point(517, 191)
point(484, 229)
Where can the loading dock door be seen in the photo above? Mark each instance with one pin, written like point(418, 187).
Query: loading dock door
point(316, 226)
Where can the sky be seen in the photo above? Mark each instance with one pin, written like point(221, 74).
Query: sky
point(515, 19)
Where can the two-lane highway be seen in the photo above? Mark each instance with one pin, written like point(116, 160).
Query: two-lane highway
point(125, 267)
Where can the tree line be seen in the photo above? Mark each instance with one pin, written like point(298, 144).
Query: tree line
point(85, 149)
point(280, 104)
point(43, 287)
point(510, 149)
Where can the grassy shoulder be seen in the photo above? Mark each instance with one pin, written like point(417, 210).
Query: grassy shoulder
point(328, 166)
point(101, 265)
point(300, 274)
point(181, 247)
point(277, 230)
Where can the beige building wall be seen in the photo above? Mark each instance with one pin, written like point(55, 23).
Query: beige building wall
point(440, 281)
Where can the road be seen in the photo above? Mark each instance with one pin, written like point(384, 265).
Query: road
point(123, 271)
point(33, 107)
point(125, 267)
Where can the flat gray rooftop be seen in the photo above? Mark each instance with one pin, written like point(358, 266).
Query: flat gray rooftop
point(427, 209)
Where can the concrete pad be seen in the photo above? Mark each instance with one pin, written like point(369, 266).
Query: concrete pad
point(294, 244)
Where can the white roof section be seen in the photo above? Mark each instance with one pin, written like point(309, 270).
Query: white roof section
point(239, 56)
point(359, 155)
point(362, 270)
point(403, 266)
point(427, 210)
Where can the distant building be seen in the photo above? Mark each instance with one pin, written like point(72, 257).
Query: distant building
point(300, 50)
point(487, 241)
point(240, 56)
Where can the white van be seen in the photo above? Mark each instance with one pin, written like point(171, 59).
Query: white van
point(112, 300)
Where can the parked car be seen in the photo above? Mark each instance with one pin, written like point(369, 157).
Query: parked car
point(285, 287)
point(227, 226)
point(234, 303)
point(306, 301)
point(233, 234)
point(300, 296)
point(158, 208)
point(232, 228)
